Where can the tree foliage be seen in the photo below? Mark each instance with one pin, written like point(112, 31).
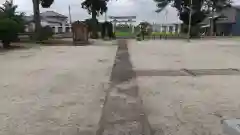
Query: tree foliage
point(183, 7)
point(95, 7)
point(8, 10)
point(216, 5)
point(199, 8)
point(144, 24)
point(145, 28)
point(46, 3)
point(11, 23)
point(90, 22)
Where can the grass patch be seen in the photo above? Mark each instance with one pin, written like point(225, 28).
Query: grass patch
point(124, 34)
point(129, 34)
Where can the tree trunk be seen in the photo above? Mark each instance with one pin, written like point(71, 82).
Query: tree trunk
point(212, 19)
point(94, 25)
point(212, 26)
point(6, 44)
point(37, 19)
point(94, 15)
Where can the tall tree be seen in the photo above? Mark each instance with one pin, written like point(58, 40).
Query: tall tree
point(8, 10)
point(11, 23)
point(200, 8)
point(216, 6)
point(37, 18)
point(95, 8)
point(183, 7)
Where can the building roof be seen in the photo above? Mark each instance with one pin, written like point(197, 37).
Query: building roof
point(52, 20)
point(48, 16)
point(230, 15)
point(227, 15)
point(52, 14)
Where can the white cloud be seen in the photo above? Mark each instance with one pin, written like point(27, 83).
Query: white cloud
point(143, 9)
point(2, 1)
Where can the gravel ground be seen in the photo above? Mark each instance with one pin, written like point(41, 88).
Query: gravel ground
point(187, 105)
point(53, 90)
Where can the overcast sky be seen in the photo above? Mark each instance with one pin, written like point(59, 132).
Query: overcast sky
point(143, 9)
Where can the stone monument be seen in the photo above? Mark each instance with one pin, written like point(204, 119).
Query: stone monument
point(80, 32)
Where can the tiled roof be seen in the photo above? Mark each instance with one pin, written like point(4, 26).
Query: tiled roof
point(48, 16)
point(52, 13)
point(225, 16)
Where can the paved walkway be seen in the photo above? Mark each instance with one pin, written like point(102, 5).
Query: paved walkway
point(152, 87)
point(123, 113)
point(54, 90)
point(188, 88)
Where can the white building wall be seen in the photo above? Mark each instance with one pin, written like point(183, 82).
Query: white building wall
point(166, 28)
point(57, 27)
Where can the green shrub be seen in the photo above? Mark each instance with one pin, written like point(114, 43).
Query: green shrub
point(107, 28)
point(93, 27)
point(46, 33)
point(9, 30)
point(11, 23)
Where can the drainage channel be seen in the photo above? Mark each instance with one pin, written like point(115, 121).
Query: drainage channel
point(122, 112)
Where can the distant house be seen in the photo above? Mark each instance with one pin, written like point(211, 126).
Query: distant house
point(167, 27)
point(58, 22)
point(227, 22)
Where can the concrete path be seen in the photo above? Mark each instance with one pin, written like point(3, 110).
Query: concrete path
point(123, 113)
point(151, 88)
point(188, 88)
point(54, 90)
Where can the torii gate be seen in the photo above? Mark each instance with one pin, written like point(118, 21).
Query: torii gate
point(124, 19)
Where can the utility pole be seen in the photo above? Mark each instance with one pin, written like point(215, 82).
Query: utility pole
point(190, 20)
point(70, 16)
point(70, 20)
point(166, 16)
